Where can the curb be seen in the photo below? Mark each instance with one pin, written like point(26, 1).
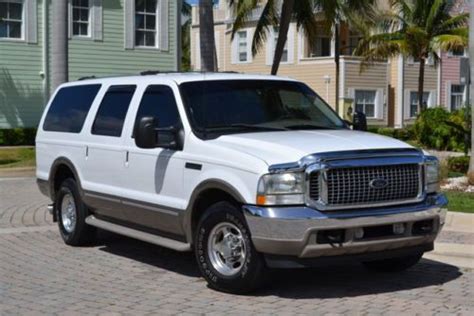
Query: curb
point(459, 222)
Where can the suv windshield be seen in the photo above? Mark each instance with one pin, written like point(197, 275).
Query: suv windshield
point(237, 106)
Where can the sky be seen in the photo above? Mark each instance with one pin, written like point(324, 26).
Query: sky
point(194, 1)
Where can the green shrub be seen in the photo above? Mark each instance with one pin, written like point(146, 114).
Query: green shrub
point(436, 128)
point(387, 131)
point(458, 164)
point(17, 136)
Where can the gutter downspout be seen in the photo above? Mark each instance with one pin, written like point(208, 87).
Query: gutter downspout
point(45, 52)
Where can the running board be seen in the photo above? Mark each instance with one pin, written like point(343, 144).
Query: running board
point(133, 233)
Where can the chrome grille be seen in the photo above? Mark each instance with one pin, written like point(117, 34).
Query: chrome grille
point(314, 185)
point(352, 186)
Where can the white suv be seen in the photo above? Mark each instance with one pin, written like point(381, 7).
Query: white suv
point(247, 171)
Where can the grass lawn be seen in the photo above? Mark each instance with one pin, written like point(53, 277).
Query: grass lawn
point(17, 157)
point(460, 202)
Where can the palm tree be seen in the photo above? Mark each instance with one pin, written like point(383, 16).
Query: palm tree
point(417, 29)
point(304, 12)
point(206, 33)
point(186, 11)
point(471, 53)
point(59, 44)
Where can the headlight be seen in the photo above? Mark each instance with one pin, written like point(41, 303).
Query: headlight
point(281, 189)
point(432, 175)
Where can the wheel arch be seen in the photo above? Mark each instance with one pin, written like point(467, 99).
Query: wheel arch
point(62, 168)
point(205, 194)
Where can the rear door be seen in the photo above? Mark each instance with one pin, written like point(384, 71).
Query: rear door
point(105, 154)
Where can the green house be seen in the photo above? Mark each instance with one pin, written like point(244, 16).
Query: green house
point(106, 38)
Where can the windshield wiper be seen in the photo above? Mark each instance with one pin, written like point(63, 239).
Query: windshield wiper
point(247, 126)
point(308, 127)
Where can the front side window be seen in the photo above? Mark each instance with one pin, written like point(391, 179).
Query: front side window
point(253, 106)
point(146, 23)
point(365, 102)
point(159, 102)
point(284, 56)
point(414, 102)
point(11, 19)
point(69, 108)
point(113, 110)
point(457, 96)
point(81, 18)
point(242, 46)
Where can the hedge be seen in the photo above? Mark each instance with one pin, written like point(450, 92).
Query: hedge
point(17, 136)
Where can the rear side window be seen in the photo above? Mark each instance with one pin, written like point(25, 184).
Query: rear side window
point(113, 110)
point(69, 108)
point(159, 102)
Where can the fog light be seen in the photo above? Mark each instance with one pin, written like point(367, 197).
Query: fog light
point(398, 228)
point(359, 233)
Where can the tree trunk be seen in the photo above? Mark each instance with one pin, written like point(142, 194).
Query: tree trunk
point(337, 58)
point(59, 44)
point(421, 84)
point(206, 33)
point(285, 20)
point(471, 53)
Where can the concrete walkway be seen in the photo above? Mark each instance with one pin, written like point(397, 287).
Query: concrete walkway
point(455, 253)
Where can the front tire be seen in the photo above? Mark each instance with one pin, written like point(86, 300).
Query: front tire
point(393, 264)
point(224, 251)
point(71, 215)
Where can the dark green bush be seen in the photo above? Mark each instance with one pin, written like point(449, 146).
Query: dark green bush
point(458, 164)
point(438, 129)
point(404, 134)
point(17, 136)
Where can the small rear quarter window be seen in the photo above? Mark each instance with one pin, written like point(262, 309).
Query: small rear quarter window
point(69, 108)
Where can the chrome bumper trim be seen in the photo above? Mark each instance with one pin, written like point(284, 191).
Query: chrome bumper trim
point(292, 230)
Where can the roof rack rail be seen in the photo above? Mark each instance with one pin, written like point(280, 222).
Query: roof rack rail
point(86, 78)
point(156, 72)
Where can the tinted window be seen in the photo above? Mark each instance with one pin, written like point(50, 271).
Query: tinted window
point(69, 108)
point(159, 102)
point(112, 111)
point(234, 106)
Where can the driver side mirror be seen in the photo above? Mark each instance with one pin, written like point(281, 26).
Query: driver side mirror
point(145, 134)
point(148, 136)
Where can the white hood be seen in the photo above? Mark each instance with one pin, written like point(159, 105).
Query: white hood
point(291, 146)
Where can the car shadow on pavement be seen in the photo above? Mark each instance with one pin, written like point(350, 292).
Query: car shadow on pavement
point(336, 281)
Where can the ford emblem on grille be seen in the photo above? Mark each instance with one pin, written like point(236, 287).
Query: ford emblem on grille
point(378, 183)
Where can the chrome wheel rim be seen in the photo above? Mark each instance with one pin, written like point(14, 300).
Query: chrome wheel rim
point(226, 248)
point(68, 213)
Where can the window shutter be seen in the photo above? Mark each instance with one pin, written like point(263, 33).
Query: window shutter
point(217, 40)
point(164, 25)
point(31, 23)
point(234, 47)
point(290, 42)
point(198, 52)
point(379, 104)
point(129, 24)
point(69, 18)
point(97, 28)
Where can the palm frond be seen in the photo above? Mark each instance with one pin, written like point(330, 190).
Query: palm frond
point(268, 18)
point(242, 11)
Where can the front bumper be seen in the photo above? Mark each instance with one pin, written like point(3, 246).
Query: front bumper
point(300, 231)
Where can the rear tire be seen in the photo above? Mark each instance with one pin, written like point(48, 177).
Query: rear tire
point(393, 264)
point(224, 251)
point(71, 215)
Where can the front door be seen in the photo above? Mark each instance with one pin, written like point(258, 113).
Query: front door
point(153, 178)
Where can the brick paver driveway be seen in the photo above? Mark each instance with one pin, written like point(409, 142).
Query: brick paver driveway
point(39, 274)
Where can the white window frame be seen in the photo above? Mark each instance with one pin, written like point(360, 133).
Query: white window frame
point(364, 105)
point(463, 95)
point(289, 46)
point(89, 22)
point(157, 27)
point(451, 54)
point(235, 47)
point(23, 21)
point(429, 102)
